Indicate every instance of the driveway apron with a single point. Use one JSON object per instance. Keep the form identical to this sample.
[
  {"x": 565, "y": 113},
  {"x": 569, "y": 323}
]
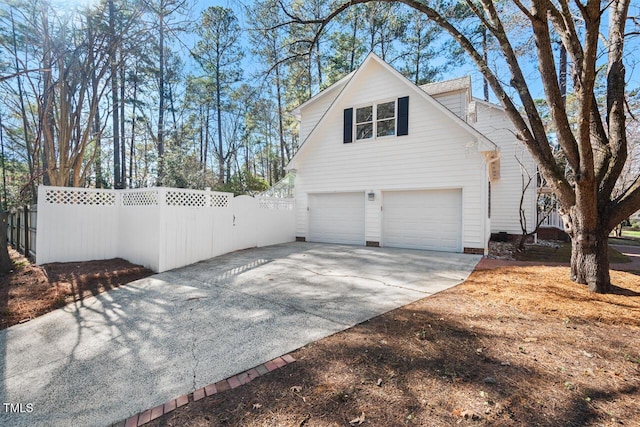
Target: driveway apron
[{"x": 105, "y": 358}]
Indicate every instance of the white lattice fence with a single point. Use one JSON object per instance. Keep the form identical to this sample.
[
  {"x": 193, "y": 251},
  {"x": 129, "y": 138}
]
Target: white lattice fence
[
  {"x": 140, "y": 198},
  {"x": 72, "y": 196},
  {"x": 76, "y": 224},
  {"x": 161, "y": 228}
]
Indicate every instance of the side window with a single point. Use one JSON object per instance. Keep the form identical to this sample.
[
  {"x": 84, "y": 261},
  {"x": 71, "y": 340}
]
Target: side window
[{"x": 364, "y": 122}]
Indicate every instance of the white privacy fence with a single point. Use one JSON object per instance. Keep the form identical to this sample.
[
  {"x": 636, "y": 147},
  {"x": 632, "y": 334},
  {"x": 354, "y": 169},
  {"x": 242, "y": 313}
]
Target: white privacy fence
[{"x": 160, "y": 228}]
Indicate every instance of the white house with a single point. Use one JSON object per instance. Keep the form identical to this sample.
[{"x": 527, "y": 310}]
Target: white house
[{"x": 384, "y": 162}]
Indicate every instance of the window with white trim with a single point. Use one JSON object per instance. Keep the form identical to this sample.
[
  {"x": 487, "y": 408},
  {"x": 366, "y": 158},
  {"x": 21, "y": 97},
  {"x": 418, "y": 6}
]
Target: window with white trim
[
  {"x": 384, "y": 119},
  {"x": 376, "y": 119},
  {"x": 364, "y": 122}
]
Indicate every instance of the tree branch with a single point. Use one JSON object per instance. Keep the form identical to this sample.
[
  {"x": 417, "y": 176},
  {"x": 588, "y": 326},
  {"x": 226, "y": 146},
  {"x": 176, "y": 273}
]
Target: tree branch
[{"x": 625, "y": 205}]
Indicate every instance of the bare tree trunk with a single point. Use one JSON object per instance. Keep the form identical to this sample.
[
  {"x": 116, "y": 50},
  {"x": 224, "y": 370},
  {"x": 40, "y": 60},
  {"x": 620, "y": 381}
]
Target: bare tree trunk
[
  {"x": 418, "y": 50},
  {"x": 354, "y": 41},
  {"x": 123, "y": 145},
  {"x": 201, "y": 135},
  {"x": 113, "y": 61},
  {"x": 25, "y": 123},
  {"x": 97, "y": 137},
  {"x": 590, "y": 260},
  {"x": 485, "y": 56},
  {"x": 160, "y": 142},
  {"x": 221, "y": 174},
  {"x": 319, "y": 63},
  {"x": 283, "y": 145},
  {"x": 206, "y": 137},
  {"x": 133, "y": 128},
  {"x": 46, "y": 116},
  {"x": 174, "y": 122}
]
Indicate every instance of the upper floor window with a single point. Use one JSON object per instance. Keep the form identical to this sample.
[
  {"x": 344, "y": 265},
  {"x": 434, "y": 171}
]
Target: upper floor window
[
  {"x": 386, "y": 119},
  {"x": 364, "y": 122},
  {"x": 377, "y": 120}
]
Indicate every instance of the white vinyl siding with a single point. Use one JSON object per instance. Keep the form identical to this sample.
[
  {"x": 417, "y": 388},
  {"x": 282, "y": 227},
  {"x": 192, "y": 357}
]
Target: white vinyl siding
[
  {"x": 313, "y": 112},
  {"x": 456, "y": 102},
  {"x": 337, "y": 218},
  {"x": 437, "y": 154},
  {"x": 506, "y": 191},
  {"x": 429, "y": 219}
]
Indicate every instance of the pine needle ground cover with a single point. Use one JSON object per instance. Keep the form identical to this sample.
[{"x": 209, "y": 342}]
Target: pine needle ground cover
[{"x": 512, "y": 346}]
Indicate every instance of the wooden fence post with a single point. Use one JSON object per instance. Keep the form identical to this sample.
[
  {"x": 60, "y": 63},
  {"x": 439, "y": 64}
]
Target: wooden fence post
[
  {"x": 26, "y": 231},
  {"x": 17, "y": 215}
]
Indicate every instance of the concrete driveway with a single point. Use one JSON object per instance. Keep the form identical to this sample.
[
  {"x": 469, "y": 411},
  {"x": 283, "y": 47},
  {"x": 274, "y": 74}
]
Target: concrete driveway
[{"x": 106, "y": 358}]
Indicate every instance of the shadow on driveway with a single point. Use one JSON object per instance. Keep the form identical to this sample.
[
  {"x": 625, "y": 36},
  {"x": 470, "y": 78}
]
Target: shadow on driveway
[{"x": 105, "y": 358}]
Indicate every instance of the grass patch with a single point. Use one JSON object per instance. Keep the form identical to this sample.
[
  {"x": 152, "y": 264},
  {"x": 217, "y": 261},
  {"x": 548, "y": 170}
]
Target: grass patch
[
  {"x": 562, "y": 253},
  {"x": 631, "y": 233},
  {"x": 624, "y": 241}
]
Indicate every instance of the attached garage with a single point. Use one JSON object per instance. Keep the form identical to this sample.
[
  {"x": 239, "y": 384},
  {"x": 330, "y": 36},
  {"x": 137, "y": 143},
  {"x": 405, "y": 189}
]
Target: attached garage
[
  {"x": 337, "y": 218},
  {"x": 429, "y": 219}
]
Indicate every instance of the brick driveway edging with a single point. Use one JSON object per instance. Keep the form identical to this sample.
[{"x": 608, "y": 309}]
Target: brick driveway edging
[{"x": 232, "y": 382}]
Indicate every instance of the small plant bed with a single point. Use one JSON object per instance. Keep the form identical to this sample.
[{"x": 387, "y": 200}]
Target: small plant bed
[
  {"x": 32, "y": 290},
  {"x": 513, "y": 346},
  {"x": 560, "y": 252}
]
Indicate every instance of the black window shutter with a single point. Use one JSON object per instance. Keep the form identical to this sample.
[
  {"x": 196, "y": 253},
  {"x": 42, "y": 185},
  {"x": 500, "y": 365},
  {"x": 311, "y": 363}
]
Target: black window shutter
[
  {"x": 348, "y": 126},
  {"x": 403, "y": 116}
]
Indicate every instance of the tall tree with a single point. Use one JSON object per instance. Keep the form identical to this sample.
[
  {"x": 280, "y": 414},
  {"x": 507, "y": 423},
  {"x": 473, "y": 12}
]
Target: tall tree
[
  {"x": 419, "y": 52},
  {"x": 219, "y": 53},
  {"x": 68, "y": 101},
  {"x": 596, "y": 149},
  {"x": 346, "y": 46},
  {"x": 386, "y": 22},
  {"x": 162, "y": 11},
  {"x": 115, "y": 114},
  {"x": 280, "y": 71}
]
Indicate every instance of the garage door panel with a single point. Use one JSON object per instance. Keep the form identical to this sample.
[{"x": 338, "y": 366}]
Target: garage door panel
[
  {"x": 336, "y": 218},
  {"x": 430, "y": 219}
]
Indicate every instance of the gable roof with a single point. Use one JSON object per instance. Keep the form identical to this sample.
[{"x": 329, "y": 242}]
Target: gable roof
[
  {"x": 487, "y": 104},
  {"x": 484, "y": 143},
  {"x": 453, "y": 85},
  {"x": 340, "y": 83}
]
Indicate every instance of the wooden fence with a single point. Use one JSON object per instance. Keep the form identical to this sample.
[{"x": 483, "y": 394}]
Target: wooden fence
[{"x": 22, "y": 226}]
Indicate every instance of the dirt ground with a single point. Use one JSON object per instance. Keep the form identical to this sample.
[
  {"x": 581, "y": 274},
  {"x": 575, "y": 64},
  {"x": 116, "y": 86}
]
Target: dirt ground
[
  {"x": 31, "y": 290},
  {"x": 512, "y": 346}
]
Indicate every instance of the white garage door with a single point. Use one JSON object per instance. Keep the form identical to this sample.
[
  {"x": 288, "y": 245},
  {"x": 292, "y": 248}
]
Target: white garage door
[
  {"x": 337, "y": 218},
  {"x": 423, "y": 219}
]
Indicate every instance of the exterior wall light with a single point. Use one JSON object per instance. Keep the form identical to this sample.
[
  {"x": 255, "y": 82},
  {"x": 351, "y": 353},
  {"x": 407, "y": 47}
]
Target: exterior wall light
[{"x": 372, "y": 196}]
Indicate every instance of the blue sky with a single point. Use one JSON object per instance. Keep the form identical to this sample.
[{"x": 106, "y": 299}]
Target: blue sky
[{"x": 530, "y": 67}]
